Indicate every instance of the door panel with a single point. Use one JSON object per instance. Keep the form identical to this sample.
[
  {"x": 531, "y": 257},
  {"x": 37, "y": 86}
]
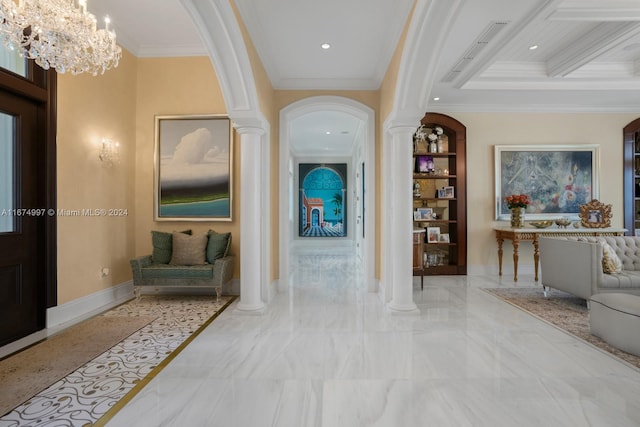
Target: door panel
[{"x": 22, "y": 229}]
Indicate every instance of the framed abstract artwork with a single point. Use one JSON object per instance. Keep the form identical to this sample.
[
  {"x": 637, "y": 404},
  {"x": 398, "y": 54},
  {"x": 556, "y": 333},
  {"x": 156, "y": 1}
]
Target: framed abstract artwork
[
  {"x": 557, "y": 178},
  {"x": 193, "y": 168},
  {"x": 322, "y": 206}
]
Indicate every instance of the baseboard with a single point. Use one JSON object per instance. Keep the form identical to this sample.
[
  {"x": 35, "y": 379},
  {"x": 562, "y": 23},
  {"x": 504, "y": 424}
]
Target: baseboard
[
  {"x": 68, "y": 314},
  {"x": 88, "y": 306},
  {"x": 492, "y": 270},
  {"x": 272, "y": 290}
]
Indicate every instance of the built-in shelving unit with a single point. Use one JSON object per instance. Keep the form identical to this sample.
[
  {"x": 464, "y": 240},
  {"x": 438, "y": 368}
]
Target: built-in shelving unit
[
  {"x": 439, "y": 202},
  {"x": 632, "y": 177}
]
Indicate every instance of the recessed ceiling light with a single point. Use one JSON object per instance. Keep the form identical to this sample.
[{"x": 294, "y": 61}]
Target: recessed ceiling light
[
  {"x": 325, "y": 46},
  {"x": 533, "y": 47},
  {"x": 328, "y": 132},
  {"x": 436, "y": 99}
]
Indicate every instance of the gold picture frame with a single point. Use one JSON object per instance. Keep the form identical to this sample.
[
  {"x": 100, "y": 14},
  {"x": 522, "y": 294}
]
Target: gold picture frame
[{"x": 595, "y": 214}]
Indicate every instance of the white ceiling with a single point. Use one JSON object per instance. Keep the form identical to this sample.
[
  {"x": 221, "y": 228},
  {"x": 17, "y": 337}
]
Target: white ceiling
[{"x": 588, "y": 56}]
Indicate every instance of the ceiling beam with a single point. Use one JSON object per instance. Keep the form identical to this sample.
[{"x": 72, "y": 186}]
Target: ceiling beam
[
  {"x": 597, "y": 10},
  {"x": 603, "y": 37}
]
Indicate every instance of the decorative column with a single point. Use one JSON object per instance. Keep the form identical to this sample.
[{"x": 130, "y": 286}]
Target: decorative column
[
  {"x": 401, "y": 199},
  {"x": 250, "y": 224}
]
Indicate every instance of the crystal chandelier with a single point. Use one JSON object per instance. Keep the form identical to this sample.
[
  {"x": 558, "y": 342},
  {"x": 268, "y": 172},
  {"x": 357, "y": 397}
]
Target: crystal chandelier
[{"x": 59, "y": 34}]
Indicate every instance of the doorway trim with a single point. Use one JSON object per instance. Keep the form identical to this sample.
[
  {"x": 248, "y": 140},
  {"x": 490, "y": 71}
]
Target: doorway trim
[{"x": 287, "y": 115}]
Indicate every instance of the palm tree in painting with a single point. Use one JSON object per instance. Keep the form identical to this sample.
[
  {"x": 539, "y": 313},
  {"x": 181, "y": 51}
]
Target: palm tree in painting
[{"x": 337, "y": 200}]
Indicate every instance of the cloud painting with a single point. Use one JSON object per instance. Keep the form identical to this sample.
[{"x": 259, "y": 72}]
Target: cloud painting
[{"x": 194, "y": 176}]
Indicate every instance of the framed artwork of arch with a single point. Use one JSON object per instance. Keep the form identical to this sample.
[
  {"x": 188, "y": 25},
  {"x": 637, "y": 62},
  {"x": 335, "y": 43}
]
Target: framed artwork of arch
[{"x": 322, "y": 201}]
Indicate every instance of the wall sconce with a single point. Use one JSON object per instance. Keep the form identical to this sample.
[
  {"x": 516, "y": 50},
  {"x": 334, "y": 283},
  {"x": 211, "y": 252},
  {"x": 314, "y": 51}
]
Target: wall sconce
[{"x": 109, "y": 151}]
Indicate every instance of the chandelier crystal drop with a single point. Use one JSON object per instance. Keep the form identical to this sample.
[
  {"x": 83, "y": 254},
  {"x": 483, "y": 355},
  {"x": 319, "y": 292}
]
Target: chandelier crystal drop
[{"x": 59, "y": 34}]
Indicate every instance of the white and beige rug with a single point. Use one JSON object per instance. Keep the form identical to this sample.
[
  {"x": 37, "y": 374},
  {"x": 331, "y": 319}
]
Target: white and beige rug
[
  {"x": 88, "y": 393},
  {"x": 562, "y": 310}
]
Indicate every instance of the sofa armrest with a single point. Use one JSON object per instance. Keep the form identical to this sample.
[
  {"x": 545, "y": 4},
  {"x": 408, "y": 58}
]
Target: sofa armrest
[
  {"x": 136, "y": 267},
  {"x": 571, "y": 266},
  {"x": 223, "y": 270}
]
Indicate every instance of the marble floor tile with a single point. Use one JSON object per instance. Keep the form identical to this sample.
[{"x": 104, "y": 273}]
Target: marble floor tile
[{"x": 325, "y": 354}]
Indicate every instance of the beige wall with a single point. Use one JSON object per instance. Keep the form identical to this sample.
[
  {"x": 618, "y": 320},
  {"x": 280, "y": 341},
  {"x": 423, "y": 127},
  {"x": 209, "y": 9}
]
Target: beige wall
[
  {"x": 484, "y": 130},
  {"x": 175, "y": 86},
  {"x": 89, "y": 109}
]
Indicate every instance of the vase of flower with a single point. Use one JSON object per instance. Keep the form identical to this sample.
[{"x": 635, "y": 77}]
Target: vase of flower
[
  {"x": 517, "y": 217},
  {"x": 517, "y": 203}
]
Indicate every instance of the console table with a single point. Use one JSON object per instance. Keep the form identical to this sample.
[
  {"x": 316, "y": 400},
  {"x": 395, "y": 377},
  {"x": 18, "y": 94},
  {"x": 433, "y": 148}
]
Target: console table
[{"x": 532, "y": 234}]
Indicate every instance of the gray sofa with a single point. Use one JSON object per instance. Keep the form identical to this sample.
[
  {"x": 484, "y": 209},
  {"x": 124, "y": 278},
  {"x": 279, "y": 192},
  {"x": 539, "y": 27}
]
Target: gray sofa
[
  {"x": 574, "y": 264},
  {"x": 180, "y": 259}
]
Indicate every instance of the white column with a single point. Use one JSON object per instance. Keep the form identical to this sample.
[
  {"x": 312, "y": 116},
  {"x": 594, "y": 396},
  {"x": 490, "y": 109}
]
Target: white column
[
  {"x": 250, "y": 222},
  {"x": 401, "y": 172}
]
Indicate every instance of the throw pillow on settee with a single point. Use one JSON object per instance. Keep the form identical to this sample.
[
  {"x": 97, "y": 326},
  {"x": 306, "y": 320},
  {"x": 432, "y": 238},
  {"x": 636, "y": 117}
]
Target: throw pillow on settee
[
  {"x": 185, "y": 248},
  {"x": 163, "y": 246}
]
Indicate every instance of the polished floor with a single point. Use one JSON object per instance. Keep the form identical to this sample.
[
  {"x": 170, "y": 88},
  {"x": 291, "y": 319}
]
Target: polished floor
[{"x": 326, "y": 354}]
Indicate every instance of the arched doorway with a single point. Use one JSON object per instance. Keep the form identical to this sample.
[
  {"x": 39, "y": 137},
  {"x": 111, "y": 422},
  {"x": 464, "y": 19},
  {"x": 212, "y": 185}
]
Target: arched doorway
[{"x": 361, "y": 185}]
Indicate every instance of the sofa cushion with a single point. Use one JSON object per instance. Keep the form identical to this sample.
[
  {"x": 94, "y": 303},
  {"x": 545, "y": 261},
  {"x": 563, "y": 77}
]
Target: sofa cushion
[
  {"x": 218, "y": 245},
  {"x": 163, "y": 246},
  {"x": 166, "y": 271},
  {"x": 188, "y": 250},
  {"x": 611, "y": 263}
]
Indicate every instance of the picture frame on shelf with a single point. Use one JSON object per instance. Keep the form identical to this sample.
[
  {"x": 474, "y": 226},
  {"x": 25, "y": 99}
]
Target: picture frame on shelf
[
  {"x": 449, "y": 192},
  {"x": 557, "y": 178},
  {"x": 595, "y": 215},
  {"x": 433, "y": 234},
  {"x": 424, "y": 164},
  {"x": 440, "y": 194},
  {"x": 426, "y": 213},
  {"x": 416, "y": 215},
  {"x": 444, "y": 238}
]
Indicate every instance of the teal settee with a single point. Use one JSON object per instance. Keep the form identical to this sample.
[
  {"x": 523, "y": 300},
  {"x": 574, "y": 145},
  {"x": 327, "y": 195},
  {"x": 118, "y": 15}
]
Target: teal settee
[{"x": 185, "y": 261}]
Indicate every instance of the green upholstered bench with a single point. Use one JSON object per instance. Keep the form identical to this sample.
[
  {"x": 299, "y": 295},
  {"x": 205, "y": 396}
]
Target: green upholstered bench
[{"x": 182, "y": 260}]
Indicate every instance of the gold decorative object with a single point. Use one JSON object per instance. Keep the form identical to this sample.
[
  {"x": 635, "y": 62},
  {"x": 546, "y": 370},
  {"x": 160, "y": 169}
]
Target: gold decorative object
[
  {"x": 541, "y": 224},
  {"x": 595, "y": 214},
  {"x": 517, "y": 217},
  {"x": 563, "y": 222}
]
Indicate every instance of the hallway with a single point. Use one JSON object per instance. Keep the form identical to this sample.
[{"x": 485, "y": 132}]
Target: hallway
[{"x": 326, "y": 354}]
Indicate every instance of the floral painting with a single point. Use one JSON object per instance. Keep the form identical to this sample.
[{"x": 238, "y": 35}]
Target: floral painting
[
  {"x": 557, "y": 179},
  {"x": 322, "y": 199},
  {"x": 193, "y": 168}
]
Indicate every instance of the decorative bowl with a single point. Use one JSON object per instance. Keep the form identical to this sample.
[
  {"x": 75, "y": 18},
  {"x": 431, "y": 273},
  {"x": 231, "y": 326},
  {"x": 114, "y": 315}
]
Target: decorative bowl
[
  {"x": 562, "y": 222},
  {"x": 541, "y": 224}
]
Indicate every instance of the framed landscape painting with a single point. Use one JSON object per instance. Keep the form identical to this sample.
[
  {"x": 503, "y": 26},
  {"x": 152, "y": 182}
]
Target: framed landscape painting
[
  {"x": 193, "y": 168},
  {"x": 557, "y": 178}
]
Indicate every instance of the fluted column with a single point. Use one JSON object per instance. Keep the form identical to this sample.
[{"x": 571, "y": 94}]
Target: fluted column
[
  {"x": 401, "y": 199},
  {"x": 250, "y": 224}
]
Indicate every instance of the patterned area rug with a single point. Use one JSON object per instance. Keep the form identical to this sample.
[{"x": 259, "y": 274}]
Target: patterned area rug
[
  {"x": 562, "y": 310},
  {"x": 30, "y": 371},
  {"x": 90, "y": 392}
]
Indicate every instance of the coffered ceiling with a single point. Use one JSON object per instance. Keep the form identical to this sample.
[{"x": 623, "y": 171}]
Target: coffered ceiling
[{"x": 587, "y": 56}]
